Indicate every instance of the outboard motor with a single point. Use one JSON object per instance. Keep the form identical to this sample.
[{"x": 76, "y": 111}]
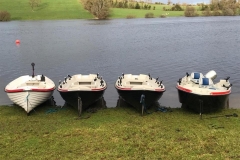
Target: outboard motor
[
  {"x": 33, "y": 64},
  {"x": 42, "y": 78},
  {"x": 211, "y": 74}
]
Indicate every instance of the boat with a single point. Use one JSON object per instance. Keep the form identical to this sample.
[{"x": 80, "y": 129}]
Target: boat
[
  {"x": 199, "y": 93},
  {"x": 140, "y": 91},
  {"x": 81, "y": 91},
  {"x": 29, "y": 91}
]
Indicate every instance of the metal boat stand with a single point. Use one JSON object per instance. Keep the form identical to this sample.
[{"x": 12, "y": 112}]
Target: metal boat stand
[
  {"x": 142, "y": 101},
  {"x": 200, "y": 107},
  {"x": 79, "y": 106}
]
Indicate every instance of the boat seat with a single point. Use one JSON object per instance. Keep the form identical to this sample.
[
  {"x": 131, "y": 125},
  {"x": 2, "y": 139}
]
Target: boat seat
[
  {"x": 32, "y": 82},
  {"x": 195, "y": 76},
  {"x": 205, "y": 82}
]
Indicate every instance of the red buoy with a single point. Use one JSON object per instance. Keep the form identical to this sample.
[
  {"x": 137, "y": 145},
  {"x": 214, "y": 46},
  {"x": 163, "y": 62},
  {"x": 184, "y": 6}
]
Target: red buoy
[{"x": 17, "y": 41}]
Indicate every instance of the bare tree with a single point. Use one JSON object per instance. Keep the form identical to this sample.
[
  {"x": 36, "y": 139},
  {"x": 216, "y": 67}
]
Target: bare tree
[
  {"x": 190, "y": 12},
  {"x": 169, "y": 2},
  {"x": 225, "y": 7},
  {"x": 34, "y": 3},
  {"x": 99, "y": 8}
]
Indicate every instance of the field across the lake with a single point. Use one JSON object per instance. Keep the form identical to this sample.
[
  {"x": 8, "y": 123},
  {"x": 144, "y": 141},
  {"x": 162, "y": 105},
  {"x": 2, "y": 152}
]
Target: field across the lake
[{"x": 73, "y": 9}]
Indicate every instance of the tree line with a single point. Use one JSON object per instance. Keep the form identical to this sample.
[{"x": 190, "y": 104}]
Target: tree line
[
  {"x": 215, "y": 8},
  {"x": 101, "y": 8}
]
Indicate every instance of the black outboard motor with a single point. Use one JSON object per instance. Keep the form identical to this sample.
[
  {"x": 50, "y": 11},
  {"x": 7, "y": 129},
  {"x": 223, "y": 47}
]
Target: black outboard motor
[
  {"x": 42, "y": 78},
  {"x": 33, "y": 64}
]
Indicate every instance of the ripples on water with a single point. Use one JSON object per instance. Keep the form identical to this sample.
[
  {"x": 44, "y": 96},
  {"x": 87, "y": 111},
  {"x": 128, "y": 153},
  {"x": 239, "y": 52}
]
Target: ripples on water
[{"x": 164, "y": 47}]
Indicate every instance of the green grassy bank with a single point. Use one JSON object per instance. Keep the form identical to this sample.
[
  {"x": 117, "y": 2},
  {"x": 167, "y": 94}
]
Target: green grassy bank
[
  {"x": 140, "y": 13},
  {"x": 71, "y": 9},
  {"x": 47, "y": 10},
  {"x": 117, "y": 133}
]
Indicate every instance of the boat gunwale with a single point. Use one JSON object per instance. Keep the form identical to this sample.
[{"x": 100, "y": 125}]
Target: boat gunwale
[{"x": 218, "y": 93}]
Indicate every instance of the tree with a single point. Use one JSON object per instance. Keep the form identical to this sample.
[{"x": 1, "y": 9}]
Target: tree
[
  {"x": 190, "y": 12},
  {"x": 34, "y": 3},
  {"x": 99, "y": 8},
  {"x": 5, "y": 16},
  {"x": 137, "y": 6},
  {"x": 224, "y": 7}
]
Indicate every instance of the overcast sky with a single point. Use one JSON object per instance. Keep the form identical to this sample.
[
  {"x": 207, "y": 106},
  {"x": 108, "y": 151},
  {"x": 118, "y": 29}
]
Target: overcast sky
[{"x": 182, "y": 1}]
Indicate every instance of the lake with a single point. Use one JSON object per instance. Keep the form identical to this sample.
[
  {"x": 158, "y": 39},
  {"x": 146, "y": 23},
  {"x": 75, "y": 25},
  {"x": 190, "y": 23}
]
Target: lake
[{"x": 164, "y": 47}]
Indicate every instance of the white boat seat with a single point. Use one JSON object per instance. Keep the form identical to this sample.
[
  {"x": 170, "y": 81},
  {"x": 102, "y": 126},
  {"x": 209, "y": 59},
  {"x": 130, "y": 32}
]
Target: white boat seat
[{"x": 195, "y": 76}]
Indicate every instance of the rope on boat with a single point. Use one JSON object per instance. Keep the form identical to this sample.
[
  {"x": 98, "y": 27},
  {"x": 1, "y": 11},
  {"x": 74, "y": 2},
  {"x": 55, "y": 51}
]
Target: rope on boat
[
  {"x": 27, "y": 100},
  {"x": 55, "y": 109},
  {"x": 27, "y": 97}
]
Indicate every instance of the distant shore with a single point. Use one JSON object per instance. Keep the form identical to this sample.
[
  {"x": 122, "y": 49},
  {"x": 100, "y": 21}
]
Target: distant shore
[{"x": 72, "y": 9}]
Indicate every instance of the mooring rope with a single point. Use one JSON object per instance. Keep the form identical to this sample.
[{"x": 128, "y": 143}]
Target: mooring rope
[{"x": 27, "y": 97}]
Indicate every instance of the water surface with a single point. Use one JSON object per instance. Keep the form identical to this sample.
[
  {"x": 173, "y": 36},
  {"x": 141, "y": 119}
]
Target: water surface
[{"x": 164, "y": 47}]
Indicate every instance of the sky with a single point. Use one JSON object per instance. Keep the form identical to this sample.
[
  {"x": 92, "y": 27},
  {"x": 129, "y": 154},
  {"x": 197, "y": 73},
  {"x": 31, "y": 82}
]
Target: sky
[{"x": 182, "y": 1}]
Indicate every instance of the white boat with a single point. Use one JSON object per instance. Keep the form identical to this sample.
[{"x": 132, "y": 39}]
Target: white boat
[
  {"x": 199, "y": 93},
  {"x": 29, "y": 91},
  {"x": 81, "y": 91},
  {"x": 141, "y": 91}
]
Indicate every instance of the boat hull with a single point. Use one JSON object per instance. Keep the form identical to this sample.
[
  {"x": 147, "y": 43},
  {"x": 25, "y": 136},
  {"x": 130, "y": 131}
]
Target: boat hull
[
  {"x": 210, "y": 103},
  {"x": 87, "y": 97},
  {"x": 133, "y": 97},
  {"x": 28, "y": 100}
]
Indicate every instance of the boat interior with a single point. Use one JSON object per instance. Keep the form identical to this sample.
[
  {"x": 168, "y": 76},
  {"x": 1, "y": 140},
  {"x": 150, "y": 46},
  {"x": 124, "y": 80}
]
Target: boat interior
[
  {"x": 198, "y": 80},
  {"x": 82, "y": 82},
  {"x": 138, "y": 81},
  {"x": 38, "y": 81}
]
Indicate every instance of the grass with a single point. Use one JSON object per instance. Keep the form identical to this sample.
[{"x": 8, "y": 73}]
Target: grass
[
  {"x": 117, "y": 133},
  {"x": 48, "y": 9},
  {"x": 139, "y": 13}
]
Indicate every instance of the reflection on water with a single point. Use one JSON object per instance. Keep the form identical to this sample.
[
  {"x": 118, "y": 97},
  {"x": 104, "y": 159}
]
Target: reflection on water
[{"x": 167, "y": 48}]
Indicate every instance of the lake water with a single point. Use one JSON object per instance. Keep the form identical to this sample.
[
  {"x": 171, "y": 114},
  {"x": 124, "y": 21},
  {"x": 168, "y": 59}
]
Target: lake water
[{"x": 164, "y": 47}]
